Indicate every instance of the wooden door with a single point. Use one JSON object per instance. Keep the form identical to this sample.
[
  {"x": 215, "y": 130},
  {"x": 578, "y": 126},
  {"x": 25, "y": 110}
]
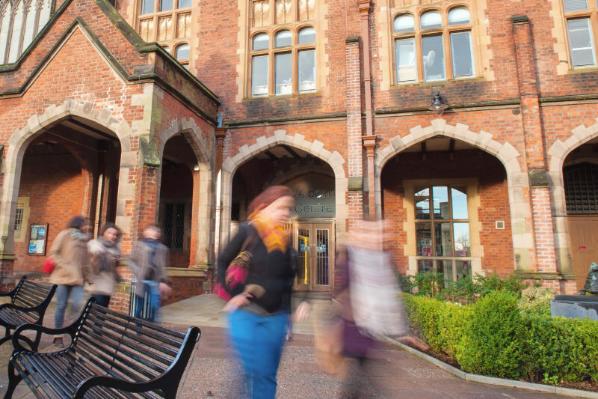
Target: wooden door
[{"x": 583, "y": 236}]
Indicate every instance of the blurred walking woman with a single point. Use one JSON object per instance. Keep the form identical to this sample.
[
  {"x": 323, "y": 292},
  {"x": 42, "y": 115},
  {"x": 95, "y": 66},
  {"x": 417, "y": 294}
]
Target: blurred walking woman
[
  {"x": 69, "y": 252},
  {"x": 259, "y": 309},
  {"x": 105, "y": 255}
]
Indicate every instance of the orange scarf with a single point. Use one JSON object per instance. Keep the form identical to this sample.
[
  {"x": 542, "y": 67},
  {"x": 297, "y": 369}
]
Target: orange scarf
[{"x": 273, "y": 235}]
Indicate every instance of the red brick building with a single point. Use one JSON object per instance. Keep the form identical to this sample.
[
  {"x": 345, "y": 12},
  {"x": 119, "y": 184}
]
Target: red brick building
[{"x": 471, "y": 125}]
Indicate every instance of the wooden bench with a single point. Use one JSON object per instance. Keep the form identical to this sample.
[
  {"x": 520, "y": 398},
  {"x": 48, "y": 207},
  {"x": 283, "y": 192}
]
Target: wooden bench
[
  {"x": 28, "y": 303},
  {"x": 111, "y": 355}
]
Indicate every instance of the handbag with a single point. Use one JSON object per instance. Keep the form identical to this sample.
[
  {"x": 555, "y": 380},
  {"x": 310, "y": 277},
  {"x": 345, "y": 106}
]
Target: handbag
[
  {"x": 236, "y": 272},
  {"x": 48, "y": 266},
  {"x": 328, "y": 341}
]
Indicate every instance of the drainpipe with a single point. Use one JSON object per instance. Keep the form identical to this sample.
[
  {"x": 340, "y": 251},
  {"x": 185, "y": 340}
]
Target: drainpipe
[{"x": 369, "y": 138}]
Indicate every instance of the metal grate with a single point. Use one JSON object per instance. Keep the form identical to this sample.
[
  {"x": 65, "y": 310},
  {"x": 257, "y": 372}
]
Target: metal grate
[
  {"x": 322, "y": 256},
  {"x": 581, "y": 188}
]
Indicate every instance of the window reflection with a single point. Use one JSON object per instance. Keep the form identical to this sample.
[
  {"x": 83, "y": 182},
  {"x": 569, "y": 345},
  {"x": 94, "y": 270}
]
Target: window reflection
[{"x": 443, "y": 236}]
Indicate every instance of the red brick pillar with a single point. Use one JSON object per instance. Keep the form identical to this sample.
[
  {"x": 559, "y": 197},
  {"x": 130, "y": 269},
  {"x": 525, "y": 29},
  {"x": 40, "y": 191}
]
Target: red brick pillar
[
  {"x": 535, "y": 152},
  {"x": 354, "y": 129},
  {"x": 145, "y": 211}
]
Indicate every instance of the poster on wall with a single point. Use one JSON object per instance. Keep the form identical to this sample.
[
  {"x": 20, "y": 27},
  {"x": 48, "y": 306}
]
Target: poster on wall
[{"x": 38, "y": 236}]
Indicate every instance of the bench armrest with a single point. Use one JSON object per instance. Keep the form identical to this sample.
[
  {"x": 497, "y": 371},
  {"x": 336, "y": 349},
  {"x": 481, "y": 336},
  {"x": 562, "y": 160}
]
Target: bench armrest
[
  {"x": 45, "y": 330},
  {"x": 121, "y": 385}
]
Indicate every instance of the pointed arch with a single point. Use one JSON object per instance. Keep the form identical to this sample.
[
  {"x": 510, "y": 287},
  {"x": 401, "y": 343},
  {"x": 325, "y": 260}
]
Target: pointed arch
[
  {"x": 36, "y": 125},
  {"x": 280, "y": 137},
  {"x": 557, "y": 154},
  {"x": 517, "y": 179}
]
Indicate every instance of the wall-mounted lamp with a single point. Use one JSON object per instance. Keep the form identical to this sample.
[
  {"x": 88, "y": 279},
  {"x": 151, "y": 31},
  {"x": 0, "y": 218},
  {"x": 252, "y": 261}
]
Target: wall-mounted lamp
[
  {"x": 438, "y": 104},
  {"x": 196, "y": 167}
]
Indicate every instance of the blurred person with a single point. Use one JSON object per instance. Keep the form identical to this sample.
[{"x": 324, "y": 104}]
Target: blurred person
[
  {"x": 69, "y": 252},
  {"x": 259, "y": 308},
  {"x": 367, "y": 293},
  {"x": 148, "y": 262},
  {"x": 105, "y": 256}
]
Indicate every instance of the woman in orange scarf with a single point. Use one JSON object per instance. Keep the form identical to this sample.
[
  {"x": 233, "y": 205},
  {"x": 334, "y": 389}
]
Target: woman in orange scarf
[{"x": 259, "y": 309}]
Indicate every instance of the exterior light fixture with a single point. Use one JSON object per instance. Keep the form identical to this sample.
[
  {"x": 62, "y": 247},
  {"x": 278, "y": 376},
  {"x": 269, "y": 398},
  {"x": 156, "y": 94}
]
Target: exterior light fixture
[{"x": 438, "y": 104}]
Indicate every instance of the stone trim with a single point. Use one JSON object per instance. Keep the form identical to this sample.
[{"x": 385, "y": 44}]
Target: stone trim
[
  {"x": 203, "y": 145},
  {"x": 246, "y": 152},
  {"x": 517, "y": 179}
]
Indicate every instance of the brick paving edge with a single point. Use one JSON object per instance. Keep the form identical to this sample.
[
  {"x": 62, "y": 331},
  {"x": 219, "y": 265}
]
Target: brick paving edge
[{"x": 570, "y": 392}]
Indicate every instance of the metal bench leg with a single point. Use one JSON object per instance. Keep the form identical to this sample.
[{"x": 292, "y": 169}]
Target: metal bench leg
[
  {"x": 6, "y": 337},
  {"x": 13, "y": 380}
]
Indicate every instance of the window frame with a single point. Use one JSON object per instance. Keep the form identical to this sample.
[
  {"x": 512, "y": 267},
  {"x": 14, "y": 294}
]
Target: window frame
[
  {"x": 432, "y": 221},
  {"x": 35, "y": 6},
  {"x": 445, "y": 30},
  {"x": 171, "y": 45},
  {"x": 590, "y": 13},
  {"x": 272, "y": 28}
]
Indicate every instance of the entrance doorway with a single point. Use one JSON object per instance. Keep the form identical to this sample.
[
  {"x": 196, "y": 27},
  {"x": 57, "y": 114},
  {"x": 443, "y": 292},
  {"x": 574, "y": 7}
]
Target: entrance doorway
[{"x": 314, "y": 243}]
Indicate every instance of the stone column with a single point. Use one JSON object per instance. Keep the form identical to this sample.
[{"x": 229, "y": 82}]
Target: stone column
[{"x": 369, "y": 143}]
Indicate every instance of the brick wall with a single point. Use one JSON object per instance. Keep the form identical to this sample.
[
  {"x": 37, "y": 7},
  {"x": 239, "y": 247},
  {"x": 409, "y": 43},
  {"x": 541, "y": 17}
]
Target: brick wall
[{"x": 55, "y": 184}]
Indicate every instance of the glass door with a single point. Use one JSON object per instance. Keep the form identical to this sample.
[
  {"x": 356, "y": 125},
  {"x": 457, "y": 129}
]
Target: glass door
[{"x": 314, "y": 243}]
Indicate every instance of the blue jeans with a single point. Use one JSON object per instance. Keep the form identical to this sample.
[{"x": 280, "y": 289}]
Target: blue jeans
[
  {"x": 63, "y": 294},
  {"x": 148, "y": 305},
  {"x": 258, "y": 342}
]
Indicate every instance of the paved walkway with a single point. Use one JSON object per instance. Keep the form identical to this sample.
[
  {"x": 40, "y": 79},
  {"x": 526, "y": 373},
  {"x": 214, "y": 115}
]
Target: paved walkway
[{"x": 211, "y": 374}]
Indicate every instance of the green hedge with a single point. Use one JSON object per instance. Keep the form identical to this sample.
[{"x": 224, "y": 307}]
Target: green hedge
[{"x": 495, "y": 337}]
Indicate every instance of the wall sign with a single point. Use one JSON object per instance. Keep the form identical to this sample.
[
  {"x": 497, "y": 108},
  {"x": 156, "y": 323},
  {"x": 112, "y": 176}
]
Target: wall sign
[
  {"x": 38, "y": 237},
  {"x": 315, "y": 204}
]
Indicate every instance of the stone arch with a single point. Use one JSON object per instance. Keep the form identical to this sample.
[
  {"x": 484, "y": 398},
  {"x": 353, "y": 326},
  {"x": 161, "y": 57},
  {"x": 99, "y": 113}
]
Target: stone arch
[
  {"x": 517, "y": 179},
  {"x": 262, "y": 143},
  {"x": 557, "y": 153},
  {"x": 202, "y": 147},
  {"x": 36, "y": 124}
]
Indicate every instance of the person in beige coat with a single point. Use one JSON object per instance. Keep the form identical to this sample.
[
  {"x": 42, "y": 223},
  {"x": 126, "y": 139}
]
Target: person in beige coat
[
  {"x": 69, "y": 252},
  {"x": 105, "y": 256}
]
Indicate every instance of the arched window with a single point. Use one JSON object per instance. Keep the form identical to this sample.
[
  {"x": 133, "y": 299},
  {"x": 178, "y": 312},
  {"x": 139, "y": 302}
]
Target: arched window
[
  {"x": 167, "y": 22},
  {"x": 20, "y": 22},
  {"x": 582, "y": 31},
  {"x": 433, "y": 47},
  {"x": 182, "y": 54},
  {"x": 282, "y": 48}
]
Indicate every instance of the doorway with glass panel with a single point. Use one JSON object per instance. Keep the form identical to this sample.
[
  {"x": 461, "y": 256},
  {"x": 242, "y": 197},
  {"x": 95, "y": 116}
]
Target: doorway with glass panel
[
  {"x": 442, "y": 231},
  {"x": 314, "y": 243}
]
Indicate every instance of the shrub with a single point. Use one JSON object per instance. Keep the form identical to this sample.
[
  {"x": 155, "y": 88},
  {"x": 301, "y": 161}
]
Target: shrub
[
  {"x": 492, "y": 343},
  {"x": 494, "y": 337},
  {"x": 536, "y": 300},
  {"x": 464, "y": 291},
  {"x": 559, "y": 349},
  {"x": 440, "y": 324}
]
